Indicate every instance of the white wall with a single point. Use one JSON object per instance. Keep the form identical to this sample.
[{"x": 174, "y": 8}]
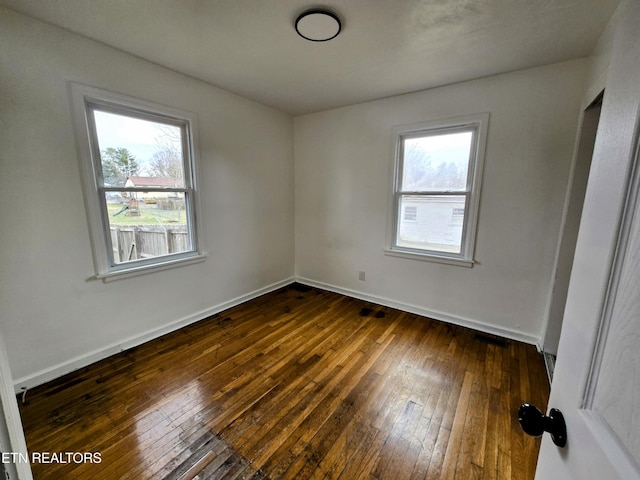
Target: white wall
[
  {"x": 54, "y": 316},
  {"x": 343, "y": 180},
  {"x": 596, "y": 79}
]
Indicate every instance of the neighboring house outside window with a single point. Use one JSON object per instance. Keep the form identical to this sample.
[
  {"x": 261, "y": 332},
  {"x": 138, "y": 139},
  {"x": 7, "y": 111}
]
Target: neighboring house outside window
[
  {"x": 436, "y": 189},
  {"x": 139, "y": 166}
]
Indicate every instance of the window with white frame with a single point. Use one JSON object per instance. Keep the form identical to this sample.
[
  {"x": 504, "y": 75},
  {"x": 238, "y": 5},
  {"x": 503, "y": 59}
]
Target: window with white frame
[
  {"x": 139, "y": 165},
  {"x": 410, "y": 213},
  {"x": 437, "y": 176}
]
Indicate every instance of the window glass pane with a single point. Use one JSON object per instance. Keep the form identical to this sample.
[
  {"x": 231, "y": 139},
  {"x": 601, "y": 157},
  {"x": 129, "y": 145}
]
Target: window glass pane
[
  {"x": 437, "y": 225},
  {"x": 147, "y": 225},
  {"x": 436, "y": 162},
  {"x": 139, "y": 153}
]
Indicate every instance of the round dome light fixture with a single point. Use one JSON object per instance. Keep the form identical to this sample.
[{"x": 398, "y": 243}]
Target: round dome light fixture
[{"x": 318, "y": 25}]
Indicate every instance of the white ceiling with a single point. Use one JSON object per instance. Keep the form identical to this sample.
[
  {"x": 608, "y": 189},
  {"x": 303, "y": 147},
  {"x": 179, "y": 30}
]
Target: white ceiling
[{"x": 387, "y": 47}]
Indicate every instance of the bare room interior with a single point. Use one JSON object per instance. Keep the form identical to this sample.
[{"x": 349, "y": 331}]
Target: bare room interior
[{"x": 286, "y": 240}]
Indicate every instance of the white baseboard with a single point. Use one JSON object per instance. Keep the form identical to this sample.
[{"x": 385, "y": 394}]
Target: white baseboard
[
  {"x": 425, "y": 312},
  {"x": 55, "y": 371}
]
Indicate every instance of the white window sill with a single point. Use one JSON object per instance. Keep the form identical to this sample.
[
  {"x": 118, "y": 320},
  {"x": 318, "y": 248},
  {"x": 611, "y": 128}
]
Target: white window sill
[
  {"x": 154, "y": 267},
  {"x": 429, "y": 257}
]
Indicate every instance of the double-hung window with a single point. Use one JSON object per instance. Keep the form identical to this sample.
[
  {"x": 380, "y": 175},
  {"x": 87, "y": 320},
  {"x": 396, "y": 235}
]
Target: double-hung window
[
  {"x": 139, "y": 164},
  {"x": 436, "y": 189}
]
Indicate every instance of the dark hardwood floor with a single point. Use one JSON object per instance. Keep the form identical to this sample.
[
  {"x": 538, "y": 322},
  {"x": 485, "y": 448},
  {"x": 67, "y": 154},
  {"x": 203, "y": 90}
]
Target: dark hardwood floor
[{"x": 300, "y": 383}]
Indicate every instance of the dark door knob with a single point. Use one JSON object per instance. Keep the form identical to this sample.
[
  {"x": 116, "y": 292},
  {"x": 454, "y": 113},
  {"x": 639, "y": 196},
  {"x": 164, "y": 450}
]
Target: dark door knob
[{"x": 535, "y": 423}]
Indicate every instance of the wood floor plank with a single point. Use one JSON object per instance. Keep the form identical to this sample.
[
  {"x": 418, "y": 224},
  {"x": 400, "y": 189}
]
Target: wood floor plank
[{"x": 297, "y": 384}]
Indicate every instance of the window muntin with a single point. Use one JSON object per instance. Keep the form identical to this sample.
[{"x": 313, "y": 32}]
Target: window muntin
[
  {"x": 437, "y": 175},
  {"x": 138, "y": 161}
]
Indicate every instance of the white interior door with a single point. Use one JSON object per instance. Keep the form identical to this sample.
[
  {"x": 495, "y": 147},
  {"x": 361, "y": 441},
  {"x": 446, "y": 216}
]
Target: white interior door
[
  {"x": 597, "y": 378},
  {"x": 11, "y": 434}
]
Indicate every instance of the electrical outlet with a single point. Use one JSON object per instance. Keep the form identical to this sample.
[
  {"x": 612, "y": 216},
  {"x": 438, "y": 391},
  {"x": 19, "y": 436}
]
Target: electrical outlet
[{"x": 361, "y": 276}]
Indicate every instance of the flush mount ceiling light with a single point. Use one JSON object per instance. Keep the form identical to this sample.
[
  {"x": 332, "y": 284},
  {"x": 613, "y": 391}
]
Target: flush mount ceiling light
[{"x": 318, "y": 25}]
